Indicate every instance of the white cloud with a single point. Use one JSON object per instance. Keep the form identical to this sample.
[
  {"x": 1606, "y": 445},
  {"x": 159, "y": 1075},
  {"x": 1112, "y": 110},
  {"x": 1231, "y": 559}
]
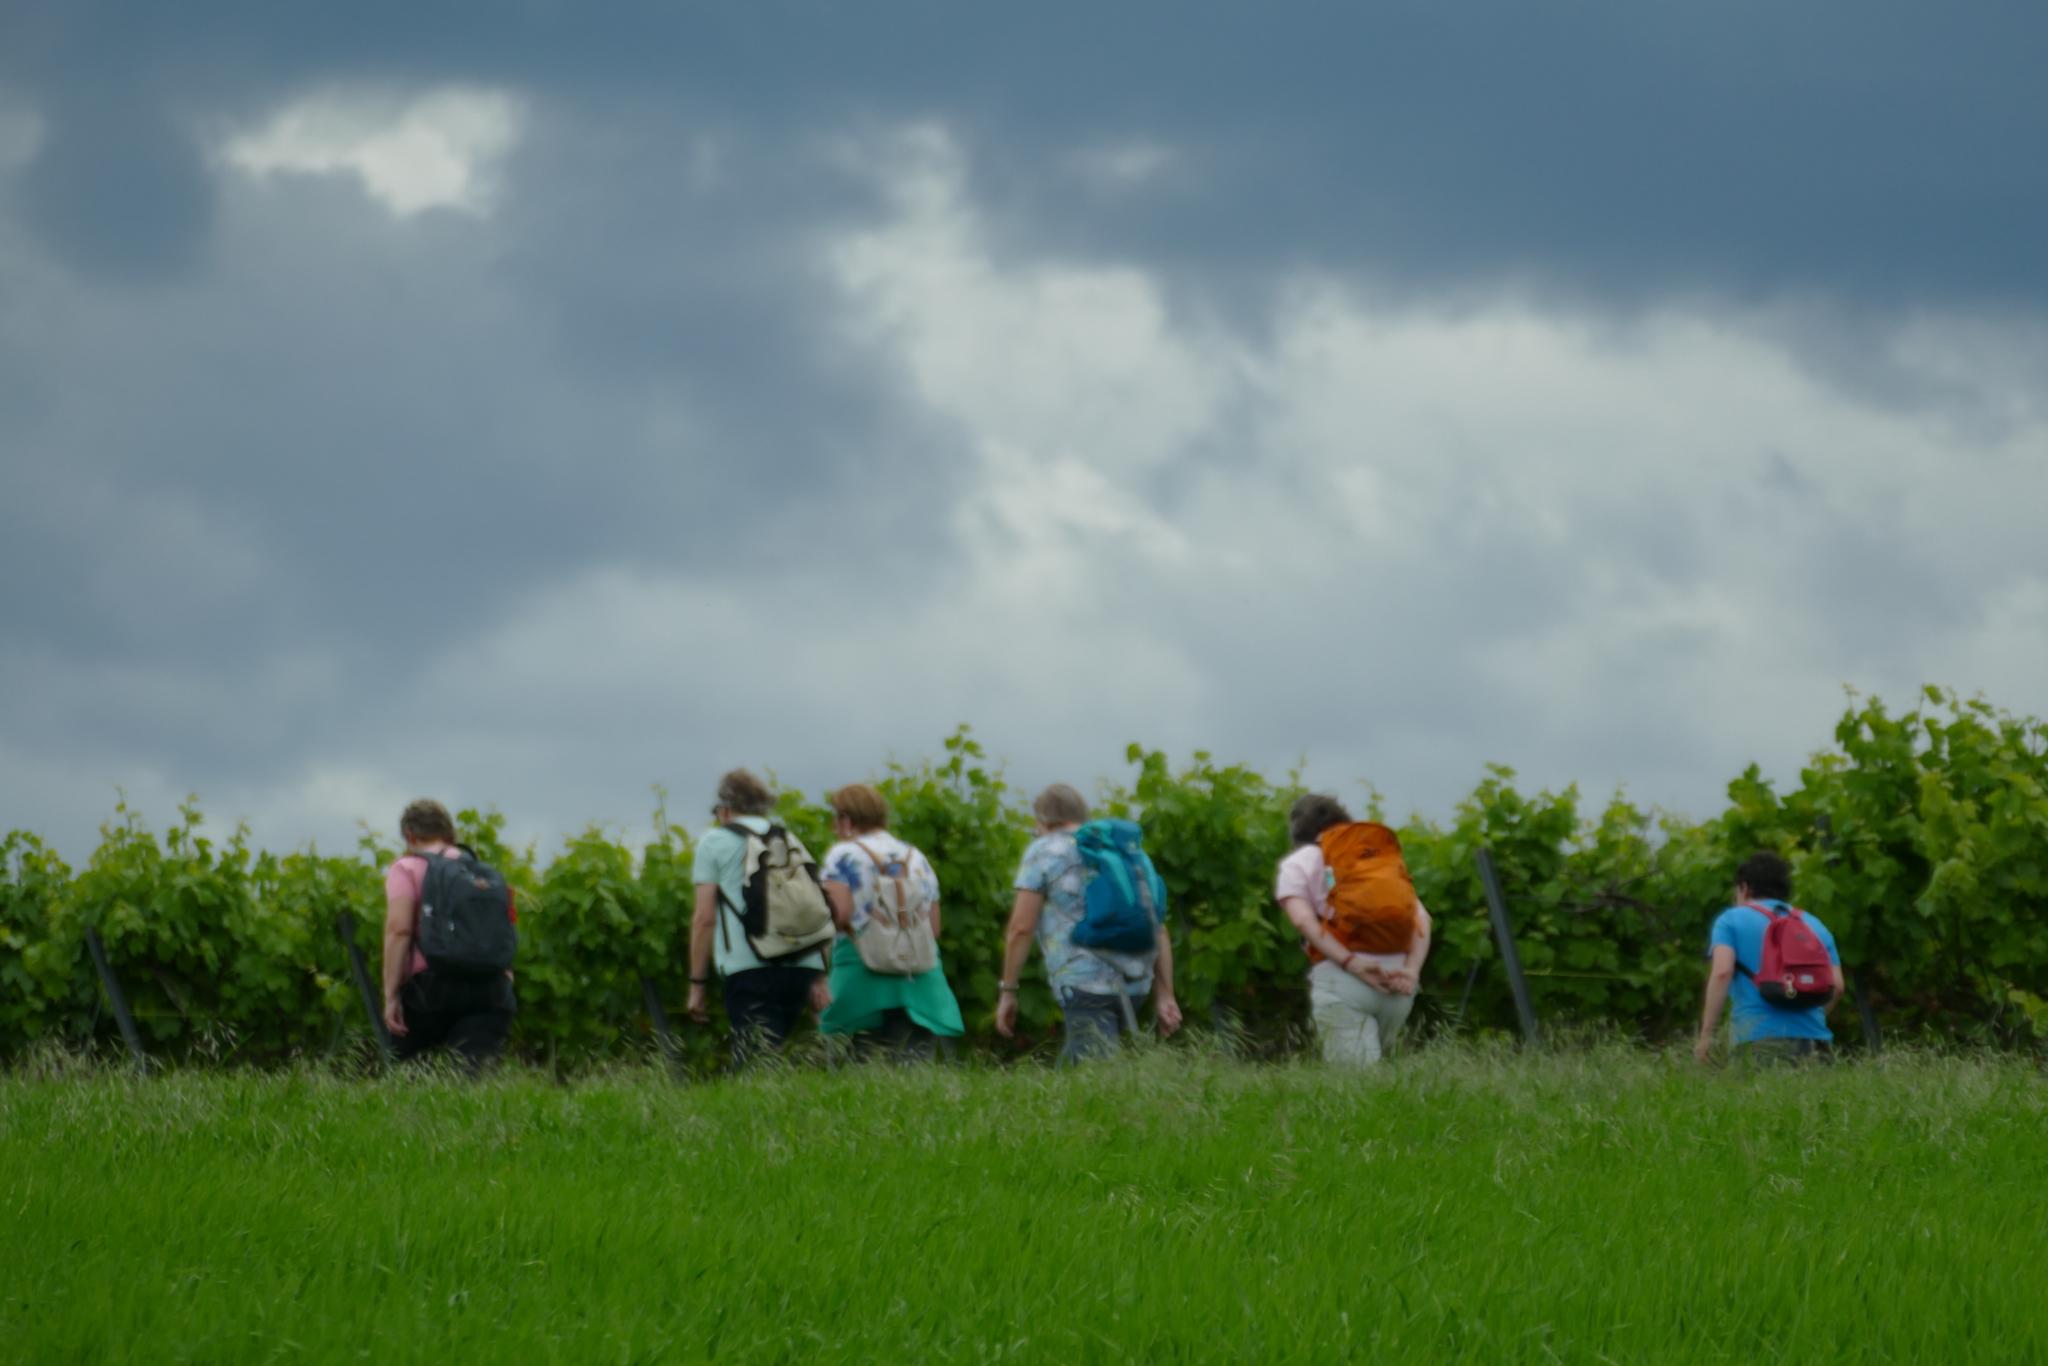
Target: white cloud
[
  {"x": 1059, "y": 361},
  {"x": 1407, "y": 541},
  {"x": 442, "y": 149}
]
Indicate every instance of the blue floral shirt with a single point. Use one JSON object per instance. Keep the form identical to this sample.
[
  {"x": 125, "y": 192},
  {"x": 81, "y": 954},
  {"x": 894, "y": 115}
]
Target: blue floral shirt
[
  {"x": 847, "y": 864},
  {"x": 1054, "y": 868}
]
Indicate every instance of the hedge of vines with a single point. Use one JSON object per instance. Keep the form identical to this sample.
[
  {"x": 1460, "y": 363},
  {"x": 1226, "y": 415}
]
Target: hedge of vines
[{"x": 1921, "y": 838}]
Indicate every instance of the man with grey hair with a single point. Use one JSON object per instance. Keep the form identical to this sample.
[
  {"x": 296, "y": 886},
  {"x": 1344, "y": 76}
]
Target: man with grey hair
[
  {"x": 765, "y": 996},
  {"x": 1097, "y": 988}
]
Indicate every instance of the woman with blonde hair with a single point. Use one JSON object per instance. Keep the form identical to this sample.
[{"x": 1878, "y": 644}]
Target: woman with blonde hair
[{"x": 889, "y": 990}]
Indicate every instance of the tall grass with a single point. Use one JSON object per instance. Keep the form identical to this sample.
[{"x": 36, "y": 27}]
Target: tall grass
[{"x": 1455, "y": 1205}]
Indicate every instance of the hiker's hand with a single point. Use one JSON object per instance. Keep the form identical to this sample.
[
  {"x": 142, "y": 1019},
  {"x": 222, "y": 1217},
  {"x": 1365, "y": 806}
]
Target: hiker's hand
[
  {"x": 1368, "y": 973},
  {"x": 1402, "y": 982},
  {"x": 700, "y": 1008},
  {"x": 394, "y": 1017},
  {"x": 1006, "y": 1014},
  {"x": 1703, "y": 1048},
  {"x": 1168, "y": 1011},
  {"x": 821, "y": 993}
]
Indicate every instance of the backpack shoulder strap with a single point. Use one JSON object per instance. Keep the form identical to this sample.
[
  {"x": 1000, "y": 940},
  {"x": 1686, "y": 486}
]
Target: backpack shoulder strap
[
  {"x": 744, "y": 833},
  {"x": 901, "y": 879},
  {"x": 1768, "y": 914}
]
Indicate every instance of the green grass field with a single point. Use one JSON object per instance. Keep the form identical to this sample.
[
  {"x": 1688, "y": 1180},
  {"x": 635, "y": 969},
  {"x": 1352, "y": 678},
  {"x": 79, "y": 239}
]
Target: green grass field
[{"x": 1452, "y": 1206}]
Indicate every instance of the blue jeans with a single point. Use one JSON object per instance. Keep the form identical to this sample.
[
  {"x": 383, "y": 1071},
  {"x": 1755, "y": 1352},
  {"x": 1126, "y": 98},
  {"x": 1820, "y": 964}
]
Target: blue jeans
[{"x": 1094, "y": 1021}]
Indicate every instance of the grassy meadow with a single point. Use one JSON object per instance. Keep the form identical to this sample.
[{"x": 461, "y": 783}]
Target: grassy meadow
[{"x": 1455, "y": 1205}]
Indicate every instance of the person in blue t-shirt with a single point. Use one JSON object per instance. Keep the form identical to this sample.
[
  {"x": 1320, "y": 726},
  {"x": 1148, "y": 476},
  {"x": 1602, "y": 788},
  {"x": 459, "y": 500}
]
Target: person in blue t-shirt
[{"x": 1762, "y": 1030}]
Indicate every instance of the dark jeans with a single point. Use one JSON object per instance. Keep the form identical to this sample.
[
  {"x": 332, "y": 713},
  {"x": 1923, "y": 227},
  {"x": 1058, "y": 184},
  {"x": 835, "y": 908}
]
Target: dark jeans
[
  {"x": 469, "y": 1016},
  {"x": 764, "y": 1005},
  {"x": 1784, "y": 1052},
  {"x": 897, "y": 1039},
  {"x": 1094, "y": 1021}
]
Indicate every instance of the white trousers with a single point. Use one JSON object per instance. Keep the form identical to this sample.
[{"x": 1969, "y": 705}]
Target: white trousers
[{"x": 1353, "y": 1021}]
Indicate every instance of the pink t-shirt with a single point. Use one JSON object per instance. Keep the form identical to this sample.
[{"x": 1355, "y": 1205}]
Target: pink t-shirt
[
  {"x": 402, "y": 883},
  {"x": 1303, "y": 873}
]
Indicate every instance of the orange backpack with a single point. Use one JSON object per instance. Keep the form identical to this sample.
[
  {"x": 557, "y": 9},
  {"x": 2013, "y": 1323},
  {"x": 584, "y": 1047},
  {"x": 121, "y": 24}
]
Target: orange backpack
[{"x": 1372, "y": 898}]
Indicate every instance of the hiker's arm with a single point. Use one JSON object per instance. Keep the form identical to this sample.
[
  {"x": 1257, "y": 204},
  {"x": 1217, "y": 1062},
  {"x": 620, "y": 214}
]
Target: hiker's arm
[
  {"x": 935, "y": 920},
  {"x": 1718, "y": 977},
  {"x": 1017, "y": 936},
  {"x": 398, "y": 922},
  {"x": 1841, "y": 987},
  {"x": 1304, "y": 918},
  {"x": 1164, "y": 1004},
  {"x": 1408, "y": 978},
  {"x": 703, "y": 922},
  {"x": 840, "y": 898}
]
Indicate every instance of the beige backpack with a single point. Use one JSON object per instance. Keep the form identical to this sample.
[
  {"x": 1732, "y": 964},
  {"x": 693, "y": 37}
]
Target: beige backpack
[
  {"x": 784, "y": 912},
  {"x": 897, "y": 940}
]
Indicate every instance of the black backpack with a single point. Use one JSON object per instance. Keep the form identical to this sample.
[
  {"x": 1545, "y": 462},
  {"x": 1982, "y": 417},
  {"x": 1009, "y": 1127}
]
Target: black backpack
[{"x": 465, "y": 924}]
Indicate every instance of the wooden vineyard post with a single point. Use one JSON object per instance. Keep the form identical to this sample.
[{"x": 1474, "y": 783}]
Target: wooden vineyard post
[
  {"x": 116, "y": 998},
  {"x": 345, "y": 926},
  {"x": 658, "y": 1016},
  {"x": 1872, "y": 1040},
  {"x": 1504, "y": 936}
]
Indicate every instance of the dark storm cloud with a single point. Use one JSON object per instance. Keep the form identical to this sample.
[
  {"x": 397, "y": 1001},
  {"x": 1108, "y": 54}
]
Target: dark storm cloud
[
  {"x": 250, "y": 508},
  {"x": 118, "y": 189},
  {"x": 1870, "y": 150}
]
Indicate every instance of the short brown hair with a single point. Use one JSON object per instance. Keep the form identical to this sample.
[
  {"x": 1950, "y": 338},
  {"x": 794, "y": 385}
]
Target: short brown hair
[
  {"x": 863, "y": 808},
  {"x": 1312, "y": 815},
  {"x": 744, "y": 795},
  {"x": 1060, "y": 805},
  {"x": 427, "y": 819}
]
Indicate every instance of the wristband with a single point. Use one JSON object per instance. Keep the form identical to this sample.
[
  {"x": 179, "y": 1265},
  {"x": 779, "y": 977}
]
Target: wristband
[
  {"x": 1010, "y": 987},
  {"x": 700, "y": 981}
]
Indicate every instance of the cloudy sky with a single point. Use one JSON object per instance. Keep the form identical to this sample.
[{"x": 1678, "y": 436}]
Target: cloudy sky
[{"x": 533, "y": 408}]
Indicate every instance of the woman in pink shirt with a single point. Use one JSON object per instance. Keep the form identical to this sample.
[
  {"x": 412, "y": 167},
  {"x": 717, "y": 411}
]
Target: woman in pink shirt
[{"x": 424, "y": 1008}]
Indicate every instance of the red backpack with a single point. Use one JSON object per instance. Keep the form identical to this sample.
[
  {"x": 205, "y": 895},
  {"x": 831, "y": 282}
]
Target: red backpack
[{"x": 1796, "y": 972}]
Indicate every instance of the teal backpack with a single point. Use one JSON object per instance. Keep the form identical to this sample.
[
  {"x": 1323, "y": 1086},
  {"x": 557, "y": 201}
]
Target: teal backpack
[{"x": 1126, "y": 900}]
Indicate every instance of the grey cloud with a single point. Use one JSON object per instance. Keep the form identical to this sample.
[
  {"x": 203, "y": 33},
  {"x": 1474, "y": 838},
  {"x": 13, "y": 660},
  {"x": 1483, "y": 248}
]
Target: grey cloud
[
  {"x": 1874, "y": 152},
  {"x": 252, "y": 508},
  {"x": 118, "y": 189},
  {"x": 276, "y": 461}
]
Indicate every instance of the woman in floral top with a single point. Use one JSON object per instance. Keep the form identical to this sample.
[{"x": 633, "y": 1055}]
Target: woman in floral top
[{"x": 900, "y": 1015}]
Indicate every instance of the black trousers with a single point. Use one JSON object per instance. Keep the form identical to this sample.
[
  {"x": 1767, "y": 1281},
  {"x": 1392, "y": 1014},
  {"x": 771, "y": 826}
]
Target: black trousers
[
  {"x": 764, "y": 1005},
  {"x": 469, "y": 1016}
]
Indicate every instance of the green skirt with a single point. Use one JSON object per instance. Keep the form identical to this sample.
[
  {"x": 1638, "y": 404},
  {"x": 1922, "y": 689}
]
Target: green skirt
[{"x": 859, "y": 997}]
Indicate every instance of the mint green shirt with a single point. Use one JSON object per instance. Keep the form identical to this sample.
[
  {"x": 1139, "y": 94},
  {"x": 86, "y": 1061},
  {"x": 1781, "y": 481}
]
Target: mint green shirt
[{"x": 720, "y": 861}]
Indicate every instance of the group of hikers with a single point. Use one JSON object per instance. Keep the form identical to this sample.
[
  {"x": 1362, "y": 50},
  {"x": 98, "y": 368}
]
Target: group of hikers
[{"x": 854, "y": 936}]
